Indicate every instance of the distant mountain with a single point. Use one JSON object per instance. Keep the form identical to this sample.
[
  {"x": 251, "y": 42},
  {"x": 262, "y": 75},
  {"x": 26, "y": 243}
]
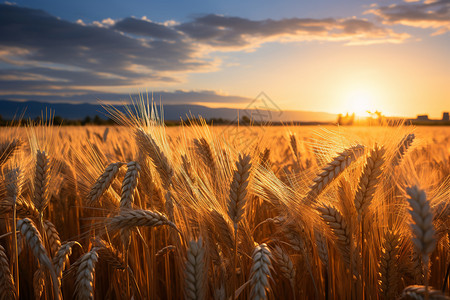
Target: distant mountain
[{"x": 32, "y": 109}]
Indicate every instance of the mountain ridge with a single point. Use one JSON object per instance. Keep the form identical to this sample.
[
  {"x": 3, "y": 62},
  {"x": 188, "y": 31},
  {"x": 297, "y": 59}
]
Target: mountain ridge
[{"x": 172, "y": 112}]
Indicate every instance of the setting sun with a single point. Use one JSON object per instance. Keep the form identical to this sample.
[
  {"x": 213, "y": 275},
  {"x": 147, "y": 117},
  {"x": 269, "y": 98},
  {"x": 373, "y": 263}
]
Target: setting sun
[{"x": 360, "y": 101}]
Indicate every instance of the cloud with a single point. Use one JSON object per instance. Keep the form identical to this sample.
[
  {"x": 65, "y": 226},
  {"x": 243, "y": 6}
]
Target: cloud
[
  {"x": 146, "y": 28},
  {"x": 46, "y": 56},
  {"x": 233, "y": 32},
  {"x": 428, "y": 14},
  {"x": 167, "y": 97}
]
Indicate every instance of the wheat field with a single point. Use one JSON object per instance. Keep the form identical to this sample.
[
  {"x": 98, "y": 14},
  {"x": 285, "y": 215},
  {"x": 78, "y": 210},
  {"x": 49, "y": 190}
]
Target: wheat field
[{"x": 141, "y": 211}]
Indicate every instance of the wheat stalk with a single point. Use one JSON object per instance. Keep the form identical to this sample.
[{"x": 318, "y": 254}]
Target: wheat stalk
[
  {"x": 194, "y": 272},
  {"x": 369, "y": 180},
  {"x": 260, "y": 272},
  {"x": 332, "y": 170},
  {"x": 7, "y": 289},
  {"x": 103, "y": 182}
]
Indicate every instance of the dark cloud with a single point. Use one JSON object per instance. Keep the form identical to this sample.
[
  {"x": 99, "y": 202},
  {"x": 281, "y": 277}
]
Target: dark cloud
[
  {"x": 427, "y": 14},
  {"x": 146, "y": 28},
  {"x": 175, "y": 97},
  {"x": 46, "y": 56},
  {"x": 223, "y": 31}
]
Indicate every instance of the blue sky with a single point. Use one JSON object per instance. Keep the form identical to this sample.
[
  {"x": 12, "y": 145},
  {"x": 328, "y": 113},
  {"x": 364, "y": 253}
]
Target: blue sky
[{"x": 307, "y": 55}]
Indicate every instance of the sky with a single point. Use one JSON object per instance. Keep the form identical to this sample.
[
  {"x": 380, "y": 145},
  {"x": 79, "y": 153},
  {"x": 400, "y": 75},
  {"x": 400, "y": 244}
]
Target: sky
[{"x": 329, "y": 56}]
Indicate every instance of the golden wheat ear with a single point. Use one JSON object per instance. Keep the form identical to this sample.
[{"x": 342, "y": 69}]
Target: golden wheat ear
[
  {"x": 103, "y": 183},
  {"x": 260, "y": 272},
  {"x": 84, "y": 284},
  {"x": 195, "y": 272},
  {"x": 388, "y": 268},
  {"x": 238, "y": 189},
  {"x": 8, "y": 149},
  {"x": 7, "y": 289},
  {"x": 332, "y": 170}
]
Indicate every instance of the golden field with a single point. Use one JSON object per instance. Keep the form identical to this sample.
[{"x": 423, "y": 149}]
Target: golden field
[{"x": 143, "y": 211}]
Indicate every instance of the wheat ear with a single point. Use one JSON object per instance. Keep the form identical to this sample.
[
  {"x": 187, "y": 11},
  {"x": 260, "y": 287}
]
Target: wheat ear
[
  {"x": 84, "y": 284},
  {"x": 418, "y": 292},
  {"x": 127, "y": 219},
  {"x": 238, "y": 189},
  {"x": 387, "y": 270},
  {"x": 8, "y": 149},
  {"x": 369, "y": 180},
  {"x": 103, "y": 182},
  {"x": 41, "y": 180},
  {"x": 61, "y": 256},
  {"x": 34, "y": 240},
  {"x": 7, "y": 289},
  {"x": 222, "y": 226},
  {"x": 39, "y": 282},
  {"x": 194, "y": 272},
  {"x": 159, "y": 159},
  {"x": 129, "y": 184},
  {"x": 285, "y": 264},
  {"x": 402, "y": 148},
  {"x": 52, "y": 236},
  {"x": 424, "y": 233},
  {"x": 337, "y": 224},
  {"x": 332, "y": 170},
  {"x": 108, "y": 253},
  {"x": 260, "y": 272},
  {"x": 204, "y": 150}
]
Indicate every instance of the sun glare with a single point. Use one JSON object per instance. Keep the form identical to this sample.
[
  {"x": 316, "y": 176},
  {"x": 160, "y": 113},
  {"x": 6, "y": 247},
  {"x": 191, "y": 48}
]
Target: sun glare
[{"x": 359, "y": 102}]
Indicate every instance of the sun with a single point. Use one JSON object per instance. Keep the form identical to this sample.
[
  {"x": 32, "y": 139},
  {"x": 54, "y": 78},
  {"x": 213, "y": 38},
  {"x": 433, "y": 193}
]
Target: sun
[{"x": 360, "y": 101}]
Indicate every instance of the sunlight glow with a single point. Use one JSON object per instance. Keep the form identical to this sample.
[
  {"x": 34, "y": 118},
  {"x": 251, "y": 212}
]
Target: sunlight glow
[{"x": 359, "y": 101}]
